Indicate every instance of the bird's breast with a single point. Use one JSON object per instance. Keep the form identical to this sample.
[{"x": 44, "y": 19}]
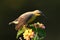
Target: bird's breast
[{"x": 31, "y": 19}]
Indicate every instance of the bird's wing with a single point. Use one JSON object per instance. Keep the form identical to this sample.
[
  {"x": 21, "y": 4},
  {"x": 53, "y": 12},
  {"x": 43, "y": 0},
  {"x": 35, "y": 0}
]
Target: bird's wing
[{"x": 21, "y": 21}]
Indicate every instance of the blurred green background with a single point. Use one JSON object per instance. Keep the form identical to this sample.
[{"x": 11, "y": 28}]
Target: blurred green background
[{"x": 11, "y": 9}]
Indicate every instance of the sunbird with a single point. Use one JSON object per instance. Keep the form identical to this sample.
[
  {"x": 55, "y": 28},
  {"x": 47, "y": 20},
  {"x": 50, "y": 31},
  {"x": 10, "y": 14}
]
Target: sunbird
[{"x": 26, "y": 18}]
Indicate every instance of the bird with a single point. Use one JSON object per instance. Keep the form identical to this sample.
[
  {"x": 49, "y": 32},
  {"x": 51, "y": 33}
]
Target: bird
[{"x": 25, "y": 18}]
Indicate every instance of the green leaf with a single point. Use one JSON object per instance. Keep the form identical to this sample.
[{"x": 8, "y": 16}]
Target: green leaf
[
  {"x": 32, "y": 27},
  {"x": 41, "y": 32},
  {"x": 35, "y": 37},
  {"x": 19, "y": 32}
]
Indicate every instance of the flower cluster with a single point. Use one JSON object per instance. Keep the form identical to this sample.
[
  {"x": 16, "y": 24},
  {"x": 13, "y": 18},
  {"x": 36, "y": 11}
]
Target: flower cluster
[
  {"x": 28, "y": 34},
  {"x": 32, "y": 32},
  {"x": 40, "y": 25}
]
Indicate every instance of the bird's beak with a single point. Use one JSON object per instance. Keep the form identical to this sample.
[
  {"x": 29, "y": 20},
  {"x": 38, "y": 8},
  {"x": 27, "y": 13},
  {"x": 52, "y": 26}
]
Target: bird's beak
[{"x": 43, "y": 14}]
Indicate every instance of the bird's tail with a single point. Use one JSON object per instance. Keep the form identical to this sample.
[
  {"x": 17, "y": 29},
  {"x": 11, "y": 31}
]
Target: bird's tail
[{"x": 11, "y": 23}]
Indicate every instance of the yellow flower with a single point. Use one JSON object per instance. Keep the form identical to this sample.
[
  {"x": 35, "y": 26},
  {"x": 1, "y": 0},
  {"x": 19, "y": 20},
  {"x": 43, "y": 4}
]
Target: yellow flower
[{"x": 28, "y": 34}]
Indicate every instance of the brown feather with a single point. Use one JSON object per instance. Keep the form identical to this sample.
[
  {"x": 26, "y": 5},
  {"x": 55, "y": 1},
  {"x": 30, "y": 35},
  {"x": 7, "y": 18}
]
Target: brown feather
[
  {"x": 23, "y": 19},
  {"x": 21, "y": 23}
]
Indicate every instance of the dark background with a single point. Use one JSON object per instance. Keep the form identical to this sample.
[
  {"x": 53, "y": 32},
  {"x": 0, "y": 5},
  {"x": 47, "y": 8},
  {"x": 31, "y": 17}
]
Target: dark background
[{"x": 11, "y": 9}]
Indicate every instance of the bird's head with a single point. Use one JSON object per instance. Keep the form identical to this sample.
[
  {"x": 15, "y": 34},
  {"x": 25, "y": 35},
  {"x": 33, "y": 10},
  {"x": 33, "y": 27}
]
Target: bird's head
[{"x": 37, "y": 12}]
